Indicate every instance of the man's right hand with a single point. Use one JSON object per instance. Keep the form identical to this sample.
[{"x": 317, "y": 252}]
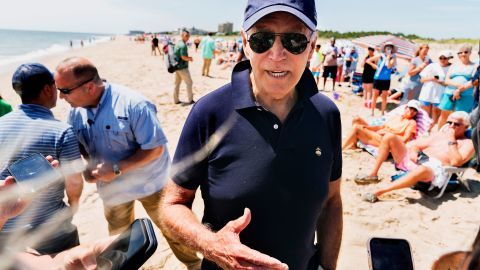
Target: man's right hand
[{"x": 228, "y": 252}]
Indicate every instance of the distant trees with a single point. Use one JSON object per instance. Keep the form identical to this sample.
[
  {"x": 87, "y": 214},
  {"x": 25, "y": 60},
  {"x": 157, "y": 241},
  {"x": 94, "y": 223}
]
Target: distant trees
[{"x": 351, "y": 35}]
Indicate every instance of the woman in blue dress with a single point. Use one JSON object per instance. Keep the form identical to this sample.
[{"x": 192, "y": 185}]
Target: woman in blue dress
[{"x": 458, "y": 95}]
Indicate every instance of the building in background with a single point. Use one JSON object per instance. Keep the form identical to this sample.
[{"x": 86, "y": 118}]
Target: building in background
[
  {"x": 226, "y": 27},
  {"x": 194, "y": 31}
]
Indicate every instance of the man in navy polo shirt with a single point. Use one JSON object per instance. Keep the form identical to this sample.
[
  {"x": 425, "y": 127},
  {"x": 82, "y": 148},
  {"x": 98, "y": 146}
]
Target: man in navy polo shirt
[{"x": 265, "y": 152}]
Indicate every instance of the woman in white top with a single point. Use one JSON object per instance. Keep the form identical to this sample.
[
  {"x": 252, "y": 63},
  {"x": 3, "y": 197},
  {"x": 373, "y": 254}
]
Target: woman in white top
[{"x": 433, "y": 79}]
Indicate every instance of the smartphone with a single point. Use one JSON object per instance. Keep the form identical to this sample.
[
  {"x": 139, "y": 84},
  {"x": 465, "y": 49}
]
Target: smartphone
[
  {"x": 389, "y": 254},
  {"x": 33, "y": 173},
  {"x": 436, "y": 77},
  {"x": 131, "y": 249}
]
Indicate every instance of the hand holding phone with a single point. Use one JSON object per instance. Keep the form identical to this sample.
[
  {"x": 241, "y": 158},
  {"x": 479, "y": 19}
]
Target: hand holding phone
[
  {"x": 131, "y": 249},
  {"x": 389, "y": 254},
  {"x": 33, "y": 173}
]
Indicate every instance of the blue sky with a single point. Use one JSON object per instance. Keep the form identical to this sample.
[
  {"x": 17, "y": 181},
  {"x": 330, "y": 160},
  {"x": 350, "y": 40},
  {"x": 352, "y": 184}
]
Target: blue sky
[{"x": 430, "y": 18}]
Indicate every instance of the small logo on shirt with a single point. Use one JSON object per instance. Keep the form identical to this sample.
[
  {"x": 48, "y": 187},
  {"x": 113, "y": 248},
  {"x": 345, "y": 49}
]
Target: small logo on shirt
[
  {"x": 122, "y": 117},
  {"x": 318, "y": 151}
]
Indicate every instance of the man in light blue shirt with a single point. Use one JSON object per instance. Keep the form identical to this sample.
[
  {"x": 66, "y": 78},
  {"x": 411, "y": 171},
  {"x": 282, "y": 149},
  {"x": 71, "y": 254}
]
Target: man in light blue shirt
[
  {"x": 208, "y": 48},
  {"x": 124, "y": 143}
]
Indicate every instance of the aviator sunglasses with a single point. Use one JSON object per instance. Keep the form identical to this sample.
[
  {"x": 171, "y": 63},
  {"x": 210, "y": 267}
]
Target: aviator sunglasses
[
  {"x": 295, "y": 43},
  {"x": 67, "y": 91}
]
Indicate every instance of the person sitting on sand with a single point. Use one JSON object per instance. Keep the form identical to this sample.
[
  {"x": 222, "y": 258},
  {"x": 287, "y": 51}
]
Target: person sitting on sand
[
  {"x": 424, "y": 158},
  {"x": 402, "y": 126}
]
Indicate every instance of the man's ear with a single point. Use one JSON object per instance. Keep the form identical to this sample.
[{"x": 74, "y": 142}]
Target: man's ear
[
  {"x": 244, "y": 44},
  {"x": 49, "y": 90}
]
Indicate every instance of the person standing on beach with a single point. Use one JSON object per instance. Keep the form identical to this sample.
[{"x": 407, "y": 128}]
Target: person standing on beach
[
  {"x": 387, "y": 60},
  {"x": 33, "y": 129},
  {"x": 330, "y": 64},
  {"x": 316, "y": 63},
  {"x": 182, "y": 73},
  {"x": 208, "y": 49},
  {"x": 124, "y": 144},
  {"x": 367, "y": 78},
  {"x": 155, "y": 47},
  {"x": 197, "y": 43},
  {"x": 414, "y": 84},
  {"x": 268, "y": 181}
]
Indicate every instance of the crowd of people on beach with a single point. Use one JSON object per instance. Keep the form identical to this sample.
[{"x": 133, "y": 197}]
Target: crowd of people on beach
[
  {"x": 432, "y": 131},
  {"x": 241, "y": 146}
]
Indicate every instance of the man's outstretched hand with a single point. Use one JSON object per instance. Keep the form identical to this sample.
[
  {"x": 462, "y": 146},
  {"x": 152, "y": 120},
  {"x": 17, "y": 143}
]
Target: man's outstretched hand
[{"x": 226, "y": 250}]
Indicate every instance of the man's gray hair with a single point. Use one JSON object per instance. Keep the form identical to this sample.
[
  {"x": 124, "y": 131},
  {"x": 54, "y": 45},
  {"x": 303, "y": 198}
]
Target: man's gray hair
[{"x": 462, "y": 115}]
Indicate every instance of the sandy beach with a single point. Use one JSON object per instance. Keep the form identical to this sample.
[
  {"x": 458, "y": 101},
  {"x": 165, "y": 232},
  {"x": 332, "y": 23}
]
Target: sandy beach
[{"x": 432, "y": 227}]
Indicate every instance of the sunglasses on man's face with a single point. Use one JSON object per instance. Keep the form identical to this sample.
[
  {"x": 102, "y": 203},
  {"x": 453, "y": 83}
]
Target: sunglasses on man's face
[
  {"x": 67, "y": 91},
  {"x": 295, "y": 43},
  {"x": 455, "y": 124},
  {"x": 464, "y": 52},
  {"x": 443, "y": 58}
]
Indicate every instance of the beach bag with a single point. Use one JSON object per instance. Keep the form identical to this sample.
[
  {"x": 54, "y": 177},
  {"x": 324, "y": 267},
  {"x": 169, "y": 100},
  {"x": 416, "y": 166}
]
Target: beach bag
[{"x": 170, "y": 59}]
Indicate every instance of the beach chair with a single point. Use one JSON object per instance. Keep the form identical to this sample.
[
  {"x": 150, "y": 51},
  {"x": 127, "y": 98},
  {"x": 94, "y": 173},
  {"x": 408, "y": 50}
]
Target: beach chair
[
  {"x": 453, "y": 174},
  {"x": 423, "y": 123}
]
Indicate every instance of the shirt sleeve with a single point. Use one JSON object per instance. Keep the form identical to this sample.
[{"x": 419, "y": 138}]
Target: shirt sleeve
[
  {"x": 146, "y": 127},
  {"x": 69, "y": 153},
  {"x": 190, "y": 163},
  {"x": 69, "y": 150}
]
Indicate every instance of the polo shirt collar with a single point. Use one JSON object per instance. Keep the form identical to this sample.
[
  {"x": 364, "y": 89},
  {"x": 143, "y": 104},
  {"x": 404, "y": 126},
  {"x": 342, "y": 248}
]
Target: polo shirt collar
[
  {"x": 36, "y": 109},
  {"x": 242, "y": 90}
]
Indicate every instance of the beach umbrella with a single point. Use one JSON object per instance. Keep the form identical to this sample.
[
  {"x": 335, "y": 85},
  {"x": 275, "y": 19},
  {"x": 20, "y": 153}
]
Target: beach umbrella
[{"x": 406, "y": 48}]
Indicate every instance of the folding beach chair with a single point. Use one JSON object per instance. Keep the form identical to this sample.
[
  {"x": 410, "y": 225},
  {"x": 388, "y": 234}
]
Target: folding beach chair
[{"x": 453, "y": 174}]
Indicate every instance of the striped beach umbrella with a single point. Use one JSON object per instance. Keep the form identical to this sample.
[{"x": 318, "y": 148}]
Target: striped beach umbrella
[{"x": 405, "y": 49}]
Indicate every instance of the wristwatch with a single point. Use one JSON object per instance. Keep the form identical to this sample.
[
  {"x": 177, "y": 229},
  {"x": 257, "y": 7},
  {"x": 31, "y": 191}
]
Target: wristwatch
[
  {"x": 116, "y": 169},
  {"x": 452, "y": 142}
]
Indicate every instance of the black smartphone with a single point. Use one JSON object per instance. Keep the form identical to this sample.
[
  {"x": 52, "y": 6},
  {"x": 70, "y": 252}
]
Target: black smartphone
[
  {"x": 436, "y": 77},
  {"x": 389, "y": 254},
  {"x": 33, "y": 173},
  {"x": 131, "y": 249}
]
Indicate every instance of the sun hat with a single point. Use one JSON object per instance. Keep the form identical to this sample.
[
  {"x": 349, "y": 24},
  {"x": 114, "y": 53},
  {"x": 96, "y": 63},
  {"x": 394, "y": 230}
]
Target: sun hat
[
  {"x": 414, "y": 104},
  {"x": 303, "y": 10},
  {"x": 447, "y": 54},
  {"x": 31, "y": 76},
  {"x": 389, "y": 43}
]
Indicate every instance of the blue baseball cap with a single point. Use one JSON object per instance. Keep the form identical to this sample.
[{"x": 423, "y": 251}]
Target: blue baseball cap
[
  {"x": 31, "y": 76},
  {"x": 302, "y": 9}
]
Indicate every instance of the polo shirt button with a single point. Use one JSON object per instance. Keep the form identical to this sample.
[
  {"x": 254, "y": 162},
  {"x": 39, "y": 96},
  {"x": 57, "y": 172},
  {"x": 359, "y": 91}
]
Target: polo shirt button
[
  {"x": 275, "y": 126},
  {"x": 260, "y": 109}
]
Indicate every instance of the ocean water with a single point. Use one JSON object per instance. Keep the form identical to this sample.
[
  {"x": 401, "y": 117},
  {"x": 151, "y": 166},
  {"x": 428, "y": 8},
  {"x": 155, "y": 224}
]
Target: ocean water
[{"x": 19, "y": 46}]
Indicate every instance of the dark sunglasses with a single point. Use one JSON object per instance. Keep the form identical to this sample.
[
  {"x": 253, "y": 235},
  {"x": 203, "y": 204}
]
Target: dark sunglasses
[
  {"x": 443, "y": 58},
  {"x": 295, "y": 43},
  {"x": 455, "y": 124},
  {"x": 464, "y": 52},
  {"x": 67, "y": 91}
]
